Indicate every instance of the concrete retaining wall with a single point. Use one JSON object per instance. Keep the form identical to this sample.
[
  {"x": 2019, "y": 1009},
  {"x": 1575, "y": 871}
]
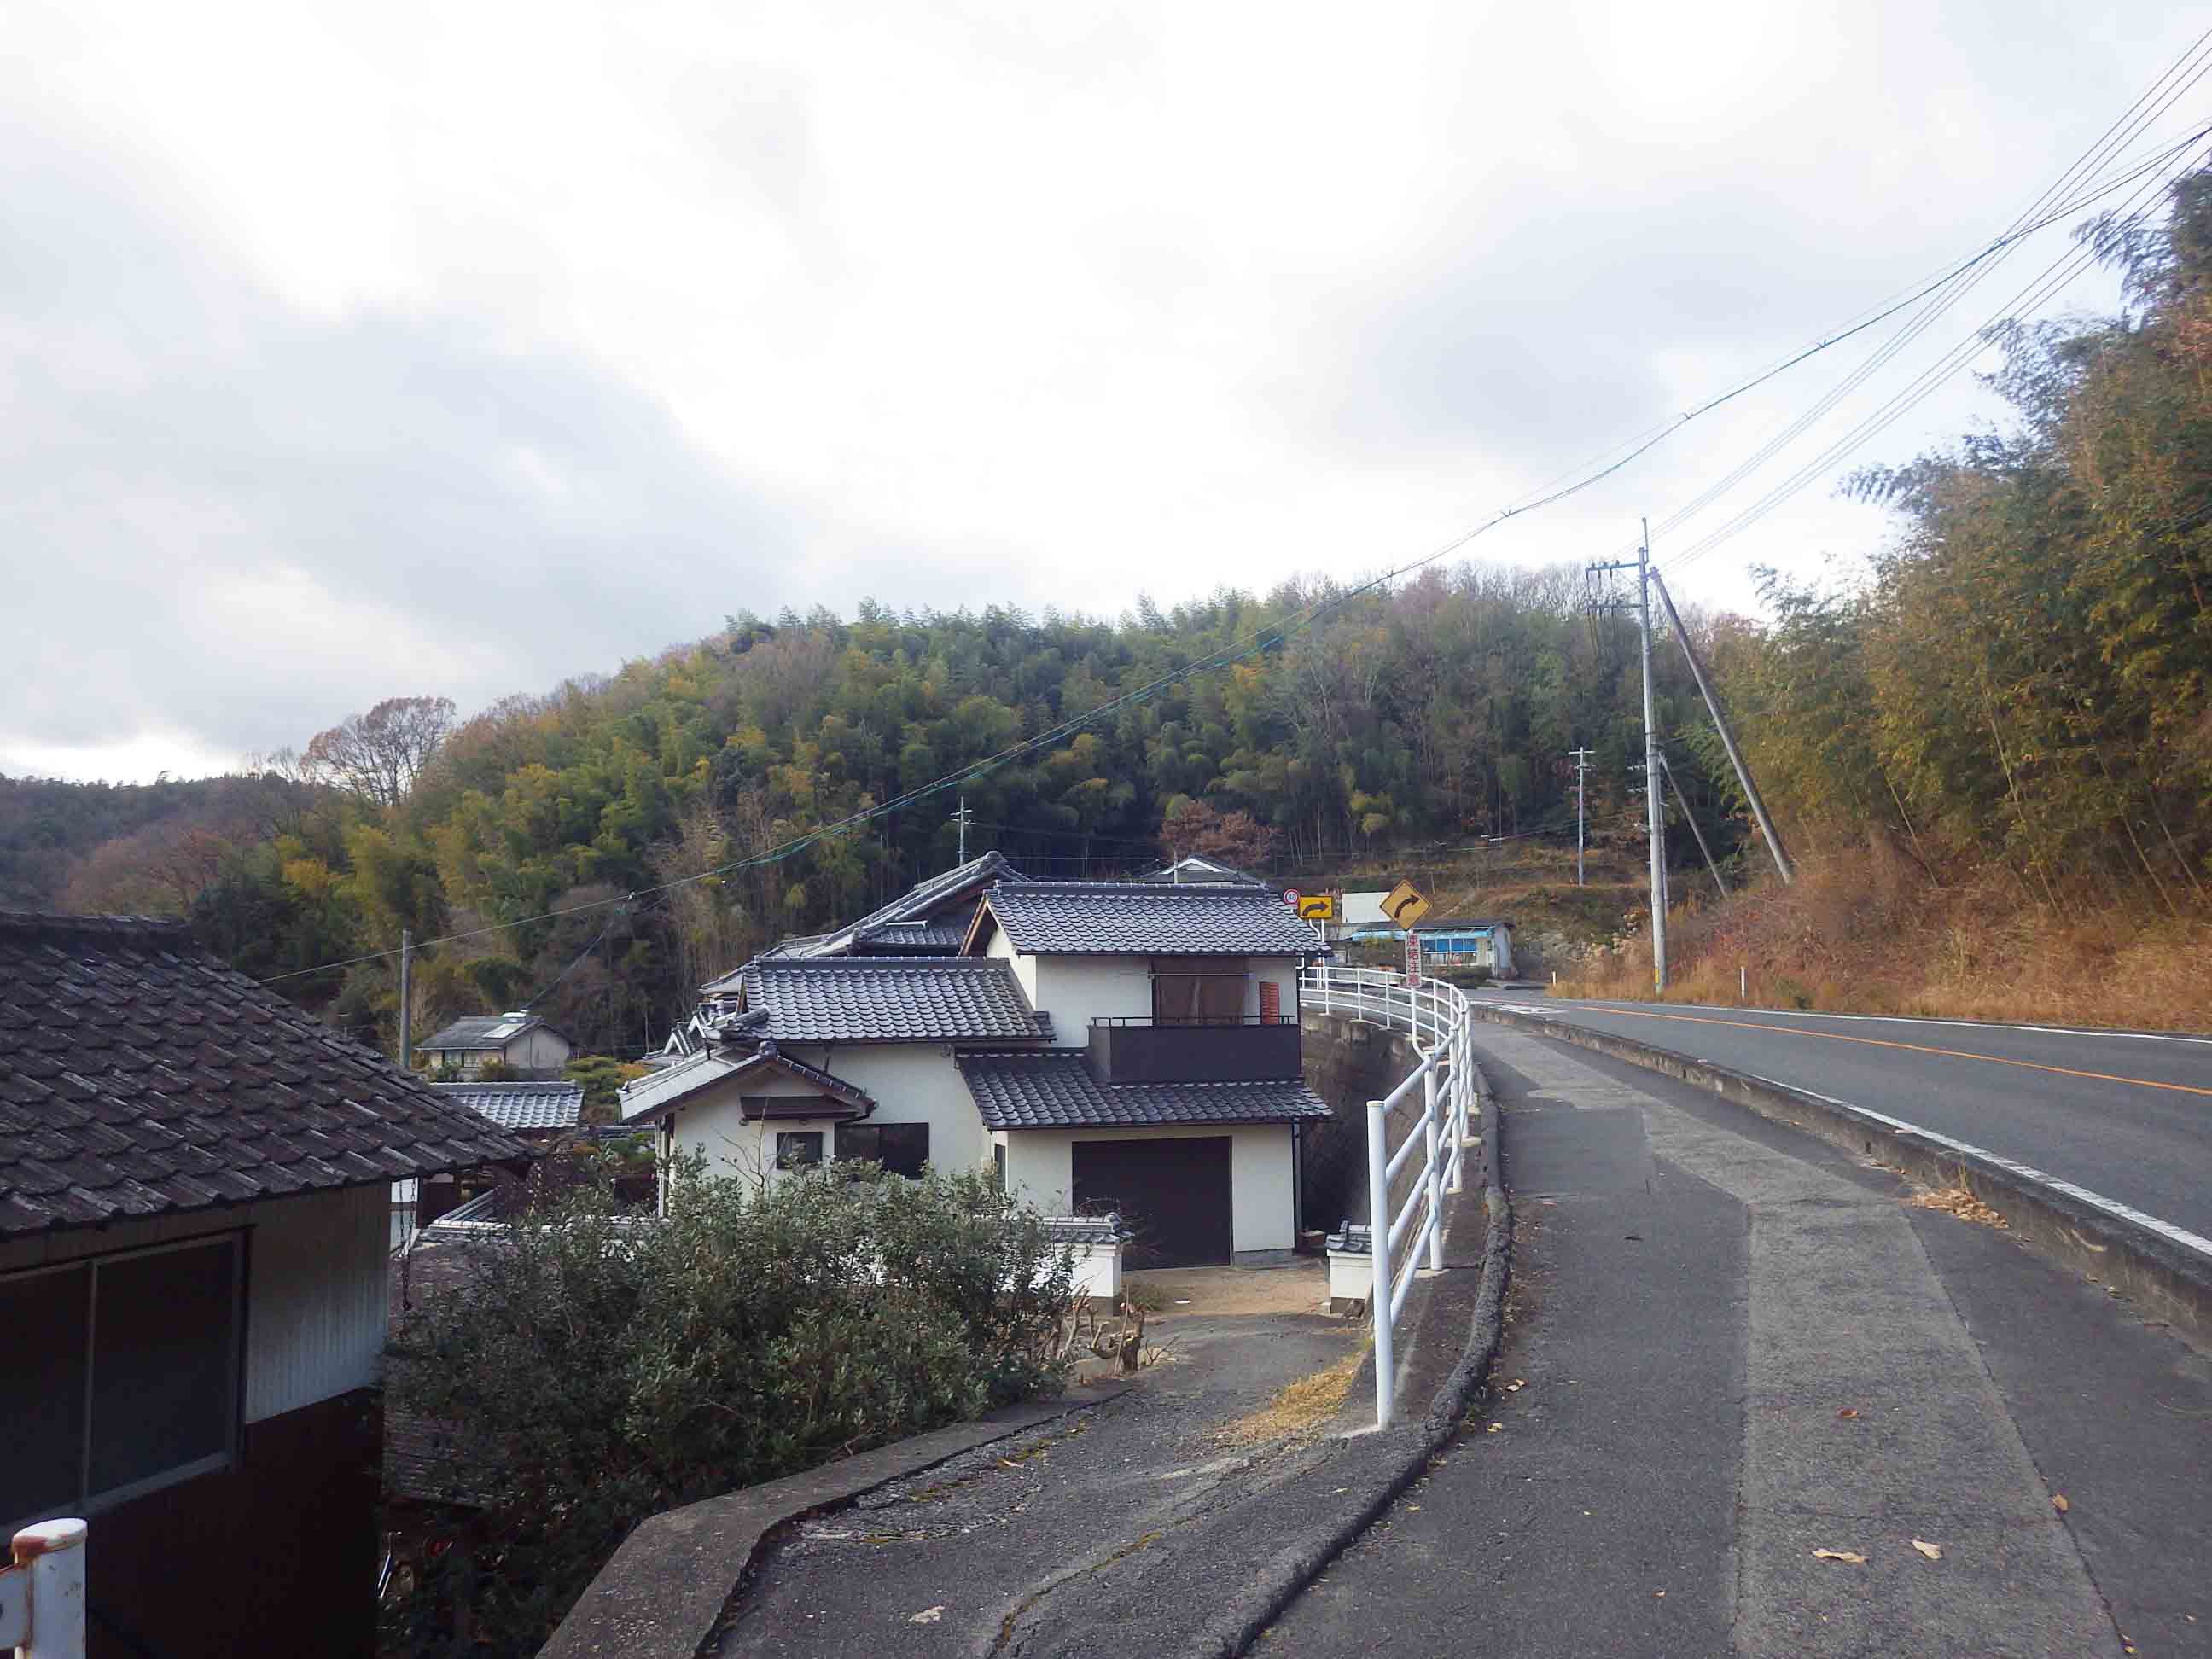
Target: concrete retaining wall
[{"x": 1349, "y": 1063}]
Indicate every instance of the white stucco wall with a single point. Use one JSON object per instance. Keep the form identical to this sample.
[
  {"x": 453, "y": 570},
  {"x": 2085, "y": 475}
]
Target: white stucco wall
[
  {"x": 1041, "y": 1170},
  {"x": 315, "y": 1288},
  {"x": 909, "y": 1082},
  {"x": 912, "y": 1083},
  {"x": 1076, "y": 990},
  {"x": 1024, "y": 967},
  {"x": 713, "y": 1126}
]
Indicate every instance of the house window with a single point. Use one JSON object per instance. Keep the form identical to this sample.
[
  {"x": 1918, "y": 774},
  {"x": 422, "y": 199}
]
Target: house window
[
  {"x": 1271, "y": 1002},
  {"x": 122, "y": 1376},
  {"x": 901, "y": 1148},
  {"x": 798, "y": 1149},
  {"x": 1198, "y": 991}
]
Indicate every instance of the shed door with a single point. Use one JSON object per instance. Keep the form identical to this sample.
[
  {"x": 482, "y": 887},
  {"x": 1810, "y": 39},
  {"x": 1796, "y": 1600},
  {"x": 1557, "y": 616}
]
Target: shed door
[{"x": 1174, "y": 1195}]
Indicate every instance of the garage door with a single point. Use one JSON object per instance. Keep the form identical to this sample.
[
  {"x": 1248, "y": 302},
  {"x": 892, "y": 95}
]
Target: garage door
[{"x": 1174, "y": 1195}]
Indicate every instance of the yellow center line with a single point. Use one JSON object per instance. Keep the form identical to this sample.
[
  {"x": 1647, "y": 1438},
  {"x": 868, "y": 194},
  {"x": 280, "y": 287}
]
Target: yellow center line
[{"x": 1916, "y": 1048}]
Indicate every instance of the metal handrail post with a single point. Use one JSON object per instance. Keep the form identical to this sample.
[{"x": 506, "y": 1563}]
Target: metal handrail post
[
  {"x": 42, "y": 1601},
  {"x": 1378, "y": 1235},
  {"x": 1436, "y": 1172}
]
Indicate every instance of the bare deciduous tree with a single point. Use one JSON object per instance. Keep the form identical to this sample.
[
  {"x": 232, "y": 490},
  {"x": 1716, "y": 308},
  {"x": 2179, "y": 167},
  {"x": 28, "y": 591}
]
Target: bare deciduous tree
[{"x": 378, "y": 755}]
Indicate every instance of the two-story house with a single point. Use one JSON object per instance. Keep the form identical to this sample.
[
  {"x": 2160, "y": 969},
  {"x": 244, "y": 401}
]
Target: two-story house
[
  {"x": 1104, "y": 1045},
  {"x": 1174, "y": 1091}
]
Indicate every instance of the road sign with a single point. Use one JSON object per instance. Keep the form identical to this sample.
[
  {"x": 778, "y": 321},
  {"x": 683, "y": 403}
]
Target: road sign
[
  {"x": 1412, "y": 957},
  {"x": 1291, "y": 897},
  {"x": 1317, "y": 907},
  {"x": 1406, "y": 906}
]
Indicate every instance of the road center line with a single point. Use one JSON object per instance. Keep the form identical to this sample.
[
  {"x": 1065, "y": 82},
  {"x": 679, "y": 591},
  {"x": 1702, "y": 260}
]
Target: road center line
[{"x": 1914, "y": 1048}]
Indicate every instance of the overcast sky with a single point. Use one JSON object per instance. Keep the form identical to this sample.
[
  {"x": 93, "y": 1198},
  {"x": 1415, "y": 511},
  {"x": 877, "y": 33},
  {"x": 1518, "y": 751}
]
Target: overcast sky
[{"x": 349, "y": 351}]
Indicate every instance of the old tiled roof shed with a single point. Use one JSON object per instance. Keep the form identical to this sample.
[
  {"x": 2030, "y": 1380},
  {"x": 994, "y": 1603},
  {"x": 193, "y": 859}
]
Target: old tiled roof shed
[
  {"x": 140, "y": 1076},
  {"x": 524, "y": 1106}
]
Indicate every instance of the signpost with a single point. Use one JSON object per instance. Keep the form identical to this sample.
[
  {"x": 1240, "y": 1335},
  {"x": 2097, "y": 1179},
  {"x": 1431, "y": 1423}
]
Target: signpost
[
  {"x": 1291, "y": 897},
  {"x": 1317, "y": 907},
  {"x": 1412, "y": 957}
]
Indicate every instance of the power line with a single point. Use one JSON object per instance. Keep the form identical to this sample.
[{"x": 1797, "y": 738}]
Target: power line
[{"x": 1278, "y": 633}]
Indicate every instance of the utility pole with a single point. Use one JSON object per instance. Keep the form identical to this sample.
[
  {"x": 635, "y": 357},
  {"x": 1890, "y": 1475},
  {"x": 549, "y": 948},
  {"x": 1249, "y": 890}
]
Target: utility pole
[
  {"x": 1692, "y": 819},
  {"x": 961, "y": 818},
  {"x": 1728, "y": 739},
  {"x": 407, "y": 967},
  {"x": 1654, "y": 819},
  {"x": 1582, "y": 765}
]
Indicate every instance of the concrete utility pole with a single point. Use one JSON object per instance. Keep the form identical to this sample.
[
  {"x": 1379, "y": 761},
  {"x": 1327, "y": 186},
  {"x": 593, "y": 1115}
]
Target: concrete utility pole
[
  {"x": 1654, "y": 819},
  {"x": 1690, "y": 818},
  {"x": 1728, "y": 737},
  {"x": 960, "y": 817},
  {"x": 1582, "y": 765},
  {"x": 407, "y": 967}
]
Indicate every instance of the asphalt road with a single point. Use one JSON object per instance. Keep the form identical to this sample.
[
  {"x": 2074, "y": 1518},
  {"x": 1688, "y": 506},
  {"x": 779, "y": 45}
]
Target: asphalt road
[
  {"x": 2127, "y": 1115},
  {"x": 1750, "y": 1404}
]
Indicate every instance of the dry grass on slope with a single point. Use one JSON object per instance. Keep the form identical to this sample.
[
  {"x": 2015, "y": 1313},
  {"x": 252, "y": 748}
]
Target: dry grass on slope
[{"x": 1866, "y": 932}]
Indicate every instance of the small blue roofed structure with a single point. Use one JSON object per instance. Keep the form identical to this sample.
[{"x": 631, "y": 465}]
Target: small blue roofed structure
[{"x": 1457, "y": 943}]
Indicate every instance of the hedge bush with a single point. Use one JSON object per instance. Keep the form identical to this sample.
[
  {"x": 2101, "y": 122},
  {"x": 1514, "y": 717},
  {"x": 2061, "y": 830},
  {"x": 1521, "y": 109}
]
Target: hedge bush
[{"x": 595, "y": 1368}]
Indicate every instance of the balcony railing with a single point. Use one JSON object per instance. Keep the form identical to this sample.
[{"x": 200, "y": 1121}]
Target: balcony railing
[{"x": 1194, "y": 1051}]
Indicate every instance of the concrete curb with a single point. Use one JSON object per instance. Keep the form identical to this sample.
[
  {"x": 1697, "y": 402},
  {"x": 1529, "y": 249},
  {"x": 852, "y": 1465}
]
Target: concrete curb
[
  {"x": 665, "y": 1592},
  {"x": 2168, "y": 1280},
  {"x": 1403, "y": 1458}
]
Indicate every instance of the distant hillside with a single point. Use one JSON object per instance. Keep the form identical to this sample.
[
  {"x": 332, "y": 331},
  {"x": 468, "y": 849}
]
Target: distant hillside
[{"x": 122, "y": 846}]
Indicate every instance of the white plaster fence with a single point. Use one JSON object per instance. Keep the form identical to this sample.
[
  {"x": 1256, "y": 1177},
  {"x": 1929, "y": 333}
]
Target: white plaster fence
[{"x": 1436, "y": 1016}]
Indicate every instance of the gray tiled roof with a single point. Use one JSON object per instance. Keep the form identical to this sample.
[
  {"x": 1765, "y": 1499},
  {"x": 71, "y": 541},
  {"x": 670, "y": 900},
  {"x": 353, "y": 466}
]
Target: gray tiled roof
[
  {"x": 482, "y": 1031},
  {"x": 521, "y": 1105},
  {"x": 889, "y": 999},
  {"x": 936, "y": 899},
  {"x": 1057, "y": 1090},
  {"x": 648, "y": 1098},
  {"x": 1052, "y": 918},
  {"x": 140, "y": 1076}
]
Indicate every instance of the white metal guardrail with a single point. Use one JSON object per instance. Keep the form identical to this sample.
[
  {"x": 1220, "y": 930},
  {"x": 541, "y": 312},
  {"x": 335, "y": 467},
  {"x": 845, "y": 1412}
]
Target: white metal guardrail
[
  {"x": 42, "y": 1593},
  {"x": 1436, "y": 1016}
]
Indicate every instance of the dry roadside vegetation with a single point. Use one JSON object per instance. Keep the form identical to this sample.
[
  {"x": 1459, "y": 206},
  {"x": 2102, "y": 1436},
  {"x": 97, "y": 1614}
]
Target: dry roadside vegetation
[{"x": 1863, "y": 931}]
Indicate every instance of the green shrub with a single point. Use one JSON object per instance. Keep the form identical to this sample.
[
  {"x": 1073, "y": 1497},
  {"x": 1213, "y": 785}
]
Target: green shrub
[{"x": 596, "y": 1369}]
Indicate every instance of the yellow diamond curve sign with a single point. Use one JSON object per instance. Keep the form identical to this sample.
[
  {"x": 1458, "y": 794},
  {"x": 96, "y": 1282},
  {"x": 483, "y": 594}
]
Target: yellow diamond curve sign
[{"x": 1405, "y": 905}]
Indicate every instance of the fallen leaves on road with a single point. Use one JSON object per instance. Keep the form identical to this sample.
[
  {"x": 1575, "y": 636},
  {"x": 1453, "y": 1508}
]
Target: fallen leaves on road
[
  {"x": 2058, "y": 1502},
  {"x": 1493, "y": 1428},
  {"x": 1958, "y": 1202},
  {"x": 928, "y": 1615},
  {"x": 1851, "y": 1556},
  {"x": 1517, "y": 1385},
  {"x": 1300, "y": 1407},
  {"x": 1933, "y": 1551},
  {"x": 1848, "y": 1412}
]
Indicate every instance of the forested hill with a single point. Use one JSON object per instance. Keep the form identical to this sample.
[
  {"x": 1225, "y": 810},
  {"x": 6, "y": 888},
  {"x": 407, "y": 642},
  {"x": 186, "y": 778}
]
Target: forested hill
[
  {"x": 2016, "y": 698},
  {"x": 1438, "y": 712}
]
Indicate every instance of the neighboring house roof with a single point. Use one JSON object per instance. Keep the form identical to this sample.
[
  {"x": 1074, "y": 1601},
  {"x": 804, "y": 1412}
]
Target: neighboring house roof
[
  {"x": 484, "y": 1031},
  {"x": 140, "y": 1076},
  {"x": 521, "y": 1105},
  {"x": 650, "y": 1098},
  {"x": 1057, "y": 1090},
  {"x": 1193, "y": 868},
  {"x": 1470, "y": 927},
  {"x": 889, "y": 999},
  {"x": 928, "y": 900},
  {"x": 940, "y": 936},
  {"x": 1134, "y": 918}
]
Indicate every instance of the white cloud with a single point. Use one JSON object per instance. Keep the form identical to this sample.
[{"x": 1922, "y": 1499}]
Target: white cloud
[{"x": 505, "y": 342}]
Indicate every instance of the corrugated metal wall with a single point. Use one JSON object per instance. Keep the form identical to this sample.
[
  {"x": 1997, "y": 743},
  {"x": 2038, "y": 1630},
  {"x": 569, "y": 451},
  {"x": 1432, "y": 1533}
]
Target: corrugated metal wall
[{"x": 315, "y": 1294}]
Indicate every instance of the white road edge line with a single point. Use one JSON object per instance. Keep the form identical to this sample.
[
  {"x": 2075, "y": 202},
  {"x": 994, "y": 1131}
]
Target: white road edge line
[
  {"x": 1916, "y": 1019},
  {"x": 2165, "y": 1229}
]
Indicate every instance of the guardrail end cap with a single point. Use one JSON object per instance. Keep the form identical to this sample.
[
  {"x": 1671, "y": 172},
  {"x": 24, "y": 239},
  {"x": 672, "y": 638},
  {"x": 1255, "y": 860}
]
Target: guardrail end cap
[{"x": 48, "y": 1538}]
